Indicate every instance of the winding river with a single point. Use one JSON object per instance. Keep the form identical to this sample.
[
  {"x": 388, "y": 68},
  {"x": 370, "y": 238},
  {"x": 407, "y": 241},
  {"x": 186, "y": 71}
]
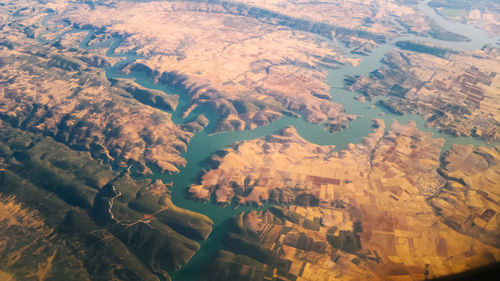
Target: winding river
[{"x": 204, "y": 144}]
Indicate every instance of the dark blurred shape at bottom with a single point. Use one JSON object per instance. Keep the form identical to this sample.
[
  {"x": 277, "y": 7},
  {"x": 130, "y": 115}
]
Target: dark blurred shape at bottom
[{"x": 486, "y": 273}]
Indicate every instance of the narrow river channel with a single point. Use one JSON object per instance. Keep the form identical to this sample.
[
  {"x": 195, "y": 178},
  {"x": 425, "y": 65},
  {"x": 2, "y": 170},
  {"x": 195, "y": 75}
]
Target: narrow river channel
[{"x": 204, "y": 144}]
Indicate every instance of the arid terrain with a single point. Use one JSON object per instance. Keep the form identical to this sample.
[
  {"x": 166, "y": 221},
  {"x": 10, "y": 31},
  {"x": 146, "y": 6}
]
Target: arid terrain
[
  {"x": 484, "y": 14},
  {"x": 183, "y": 140},
  {"x": 385, "y": 209},
  {"x": 457, "y": 93},
  {"x": 103, "y": 220},
  {"x": 68, "y": 99},
  {"x": 279, "y": 70}
]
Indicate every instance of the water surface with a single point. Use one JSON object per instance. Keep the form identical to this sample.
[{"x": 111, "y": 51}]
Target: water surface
[{"x": 205, "y": 143}]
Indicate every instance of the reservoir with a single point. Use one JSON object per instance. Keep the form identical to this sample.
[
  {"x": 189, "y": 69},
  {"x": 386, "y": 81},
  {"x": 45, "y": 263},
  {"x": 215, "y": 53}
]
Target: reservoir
[{"x": 205, "y": 143}]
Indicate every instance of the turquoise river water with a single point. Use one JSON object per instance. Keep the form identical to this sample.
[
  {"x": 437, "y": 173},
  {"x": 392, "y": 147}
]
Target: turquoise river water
[{"x": 204, "y": 143}]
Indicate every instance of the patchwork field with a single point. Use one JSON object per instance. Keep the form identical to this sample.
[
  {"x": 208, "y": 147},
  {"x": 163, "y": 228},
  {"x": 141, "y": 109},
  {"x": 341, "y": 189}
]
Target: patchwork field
[
  {"x": 116, "y": 116},
  {"x": 457, "y": 93},
  {"x": 388, "y": 208}
]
